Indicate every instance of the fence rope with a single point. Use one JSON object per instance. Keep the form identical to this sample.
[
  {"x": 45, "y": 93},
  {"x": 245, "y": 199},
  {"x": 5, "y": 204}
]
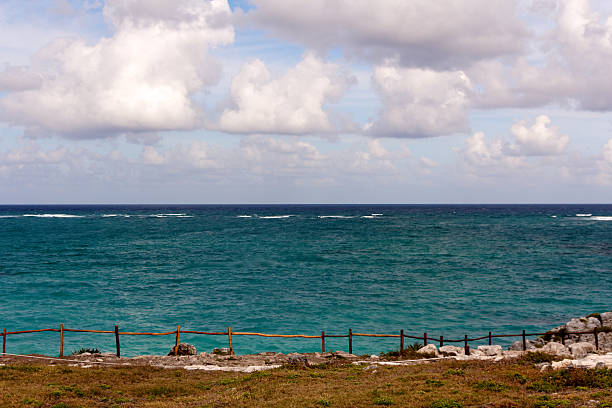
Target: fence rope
[{"x": 350, "y": 336}]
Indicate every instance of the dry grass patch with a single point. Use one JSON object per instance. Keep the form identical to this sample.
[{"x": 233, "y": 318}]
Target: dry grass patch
[{"x": 442, "y": 384}]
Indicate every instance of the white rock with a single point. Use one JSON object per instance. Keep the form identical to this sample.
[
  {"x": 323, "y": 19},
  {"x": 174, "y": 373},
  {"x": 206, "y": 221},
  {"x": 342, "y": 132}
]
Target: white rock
[
  {"x": 491, "y": 350},
  {"x": 451, "y": 350},
  {"x": 428, "y": 349},
  {"x": 580, "y": 350},
  {"x": 559, "y": 365},
  {"x": 555, "y": 348},
  {"x": 606, "y": 319},
  {"x": 374, "y": 357}
]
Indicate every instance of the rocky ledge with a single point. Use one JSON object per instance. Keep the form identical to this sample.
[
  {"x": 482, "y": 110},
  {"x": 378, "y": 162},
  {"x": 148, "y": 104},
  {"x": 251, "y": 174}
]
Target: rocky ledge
[{"x": 573, "y": 350}]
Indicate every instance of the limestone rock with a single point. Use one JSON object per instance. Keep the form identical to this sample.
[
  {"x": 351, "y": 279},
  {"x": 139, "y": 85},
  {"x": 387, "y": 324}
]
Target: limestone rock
[
  {"x": 555, "y": 348},
  {"x": 580, "y": 350},
  {"x": 224, "y": 351},
  {"x": 299, "y": 360},
  {"x": 184, "y": 349},
  {"x": 518, "y": 345},
  {"x": 428, "y": 349},
  {"x": 559, "y": 365},
  {"x": 491, "y": 350},
  {"x": 451, "y": 351},
  {"x": 606, "y": 319}
]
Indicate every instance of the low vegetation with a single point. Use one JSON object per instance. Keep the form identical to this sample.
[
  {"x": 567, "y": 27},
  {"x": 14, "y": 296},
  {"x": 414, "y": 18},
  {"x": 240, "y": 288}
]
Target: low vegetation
[{"x": 441, "y": 384}]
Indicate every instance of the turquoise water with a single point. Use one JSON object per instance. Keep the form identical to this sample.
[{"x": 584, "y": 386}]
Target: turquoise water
[{"x": 446, "y": 270}]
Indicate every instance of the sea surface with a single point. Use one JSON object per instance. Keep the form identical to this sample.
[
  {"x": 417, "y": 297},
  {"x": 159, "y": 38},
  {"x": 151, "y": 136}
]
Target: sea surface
[{"x": 297, "y": 269}]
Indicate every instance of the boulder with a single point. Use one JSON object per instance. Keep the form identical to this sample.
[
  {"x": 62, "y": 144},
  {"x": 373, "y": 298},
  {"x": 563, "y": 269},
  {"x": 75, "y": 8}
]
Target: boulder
[
  {"x": 560, "y": 365},
  {"x": 224, "y": 351},
  {"x": 491, "y": 350},
  {"x": 428, "y": 349},
  {"x": 580, "y": 350},
  {"x": 518, "y": 345},
  {"x": 451, "y": 351},
  {"x": 605, "y": 341},
  {"x": 583, "y": 324},
  {"x": 298, "y": 360},
  {"x": 184, "y": 349},
  {"x": 554, "y": 348},
  {"x": 606, "y": 319}
]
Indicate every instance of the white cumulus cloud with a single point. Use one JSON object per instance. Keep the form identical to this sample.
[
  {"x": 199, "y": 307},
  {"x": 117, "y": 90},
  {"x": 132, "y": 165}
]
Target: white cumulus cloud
[
  {"x": 420, "y": 102},
  {"x": 139, "y": 79},
  {"x": 419, "y": 32},
  {"x": 290, "y": 104},
  {"x": 539, "y": 139}
]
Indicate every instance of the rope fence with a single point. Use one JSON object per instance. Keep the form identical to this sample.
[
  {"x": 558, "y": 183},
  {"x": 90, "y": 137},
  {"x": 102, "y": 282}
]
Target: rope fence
[{"x": 563, "y": 334}]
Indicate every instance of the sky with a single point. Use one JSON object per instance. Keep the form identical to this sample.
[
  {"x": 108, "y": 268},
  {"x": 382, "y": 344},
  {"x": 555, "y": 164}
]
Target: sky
[{"x": 319, "y": 101}]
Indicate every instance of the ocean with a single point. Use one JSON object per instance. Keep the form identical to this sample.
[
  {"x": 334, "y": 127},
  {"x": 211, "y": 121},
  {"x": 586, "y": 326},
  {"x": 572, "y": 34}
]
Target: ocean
[{"x": 297, "y": 269}]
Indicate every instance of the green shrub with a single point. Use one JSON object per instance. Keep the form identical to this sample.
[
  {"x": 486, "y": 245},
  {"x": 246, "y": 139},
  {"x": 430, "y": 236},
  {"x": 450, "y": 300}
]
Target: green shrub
[
  {"x": 445, "y": 403},
  {"x": 543, "y": 386},
  {"x": 435, "y": 383},
  {"x": 537, "y": 357},
  {"x": 518, "y": 377},
  {"x": 384, "y": 400},
  {"x": 547, "y": 402},
  {"x": 489, "y": 385}
]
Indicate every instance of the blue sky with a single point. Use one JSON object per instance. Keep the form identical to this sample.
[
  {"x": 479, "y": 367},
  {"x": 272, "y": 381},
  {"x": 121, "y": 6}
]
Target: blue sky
[{"x": 260, "y": 101}]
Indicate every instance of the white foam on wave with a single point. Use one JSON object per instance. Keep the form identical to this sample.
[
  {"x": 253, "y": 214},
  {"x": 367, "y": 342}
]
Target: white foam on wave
[
  {"x": 373, "y": 215},
  {"x": 244, "y": 216},
  {"x": 116, "y": 215},
  {"x": 275, "y": 217},
  {"x": 602, "y": 218},
  {"x": 336, "y": 216},
  {"x": 9, "y": 216},
  {"x": 53, "y": 215},
  {"x": 583, "y": 215},
  {"x": 376, "y": 215},
  {"x": 553, "y": 216}
]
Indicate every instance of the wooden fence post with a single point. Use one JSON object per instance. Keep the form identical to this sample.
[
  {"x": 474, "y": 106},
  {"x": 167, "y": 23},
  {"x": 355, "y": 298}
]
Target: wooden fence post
[
  {"x": 401, "y": 342},
  {"x": 441, "y": 341},
  {"x": 524, "y": 342},
  {"x": 117, "y": 341},
  {"x": 596, "y": 338},
  {"x": 61, "y": 340},
  {"x": 350, "y": 337},
  {"x": 323, "y": 342},
  {"x": 489, "y": 338},
  {"x": 4, "y": 342},
  {"x": 229, "y": 337},
  {"x": 425, "y": 339},
  {"x": 178, "y": 332},
  {"x": 466, "y": 347}
]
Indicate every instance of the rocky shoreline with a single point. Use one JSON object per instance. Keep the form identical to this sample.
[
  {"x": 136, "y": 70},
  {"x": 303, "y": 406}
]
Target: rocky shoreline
[{"x": 572, "y": 351}]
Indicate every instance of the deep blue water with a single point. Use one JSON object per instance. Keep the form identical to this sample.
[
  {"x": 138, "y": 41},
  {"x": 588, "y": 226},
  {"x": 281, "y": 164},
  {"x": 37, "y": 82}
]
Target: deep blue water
[{"x": 445, "y": 270}]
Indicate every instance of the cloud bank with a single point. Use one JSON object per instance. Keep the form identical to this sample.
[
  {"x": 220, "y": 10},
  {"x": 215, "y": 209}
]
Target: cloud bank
[{"x": 140, "y": 79}]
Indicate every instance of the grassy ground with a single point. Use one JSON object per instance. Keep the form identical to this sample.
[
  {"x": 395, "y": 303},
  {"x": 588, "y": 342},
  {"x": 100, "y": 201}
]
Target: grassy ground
[{"x": 445, "y": 384}]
